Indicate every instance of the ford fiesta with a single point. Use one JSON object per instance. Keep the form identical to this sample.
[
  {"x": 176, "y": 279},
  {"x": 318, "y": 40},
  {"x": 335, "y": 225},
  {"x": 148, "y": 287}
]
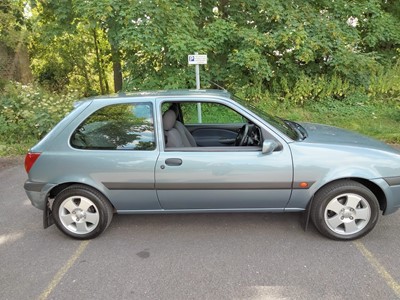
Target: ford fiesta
[{"x": 198, "y": 151}]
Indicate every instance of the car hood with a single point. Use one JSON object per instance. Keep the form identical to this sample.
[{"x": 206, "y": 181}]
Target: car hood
[{"x": 324, "y": 134}]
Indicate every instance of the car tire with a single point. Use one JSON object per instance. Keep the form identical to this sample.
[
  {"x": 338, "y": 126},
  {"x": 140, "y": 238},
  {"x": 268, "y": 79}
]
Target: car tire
[
  {"x": 82, "y": 212},
  {"x": 345, "y": 210}
]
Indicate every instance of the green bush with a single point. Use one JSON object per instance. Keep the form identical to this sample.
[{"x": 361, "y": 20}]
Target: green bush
[{"x": 27, "y": 112}]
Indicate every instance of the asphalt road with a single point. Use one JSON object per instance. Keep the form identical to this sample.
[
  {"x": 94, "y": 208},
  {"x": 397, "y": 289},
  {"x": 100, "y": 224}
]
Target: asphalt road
[{"x": 205, "y": 256}]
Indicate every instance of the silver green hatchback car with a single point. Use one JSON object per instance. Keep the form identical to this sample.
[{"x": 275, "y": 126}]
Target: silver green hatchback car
[{"x": 203, "y": 151}]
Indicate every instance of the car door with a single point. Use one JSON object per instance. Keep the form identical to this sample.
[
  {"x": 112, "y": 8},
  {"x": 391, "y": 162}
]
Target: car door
[
  {"x": 224, "y": 178},
  {"x": 218, "y": 180}
]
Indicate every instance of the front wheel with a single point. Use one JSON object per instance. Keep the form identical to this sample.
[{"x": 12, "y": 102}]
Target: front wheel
[
  {"x": 345, "y": 210},
  {"x": 81, "y": 212}
]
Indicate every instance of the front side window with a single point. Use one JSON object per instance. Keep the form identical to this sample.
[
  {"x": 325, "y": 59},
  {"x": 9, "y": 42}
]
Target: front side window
[
  {"x": 117, "y": 127},
  {"x": 207, "y": 124}
]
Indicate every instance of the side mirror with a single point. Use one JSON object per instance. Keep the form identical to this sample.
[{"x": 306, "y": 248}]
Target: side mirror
[{"x": 269, "y": 146}]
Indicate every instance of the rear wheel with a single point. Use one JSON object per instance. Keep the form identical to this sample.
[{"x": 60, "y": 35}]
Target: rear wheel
[
  {"x": 345, "y": 210},
  {"x": 81, "y": 212}
]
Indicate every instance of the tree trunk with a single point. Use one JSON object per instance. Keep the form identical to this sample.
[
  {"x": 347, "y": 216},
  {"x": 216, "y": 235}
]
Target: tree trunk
[
  {"x": 117, "y": 69},
  {"x": 98, "y": 62},
  {"x": 112, "y": 35},
  {"x": 106, "y": 82},
  {"x": 88, "y": 89},
  {"x": 223, "y": 8}
]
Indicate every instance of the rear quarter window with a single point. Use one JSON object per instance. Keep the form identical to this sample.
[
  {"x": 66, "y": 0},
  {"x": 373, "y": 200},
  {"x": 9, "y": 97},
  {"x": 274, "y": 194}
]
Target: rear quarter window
[{"x": 117, "y": 127}]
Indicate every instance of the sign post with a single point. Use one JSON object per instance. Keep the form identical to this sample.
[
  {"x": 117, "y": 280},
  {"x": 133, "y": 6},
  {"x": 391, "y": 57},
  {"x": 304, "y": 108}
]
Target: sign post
[{"x": 198, "y": 59}]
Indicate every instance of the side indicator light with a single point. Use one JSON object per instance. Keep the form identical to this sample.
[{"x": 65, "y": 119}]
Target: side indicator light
[{"x": 303, "y": 185}]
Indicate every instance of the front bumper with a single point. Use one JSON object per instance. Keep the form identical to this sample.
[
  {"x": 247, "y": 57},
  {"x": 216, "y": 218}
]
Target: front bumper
[{"x": 391, "y": 189}]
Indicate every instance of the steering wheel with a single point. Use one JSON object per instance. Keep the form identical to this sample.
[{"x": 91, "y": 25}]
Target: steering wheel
[{"x": 241, "y": 138}]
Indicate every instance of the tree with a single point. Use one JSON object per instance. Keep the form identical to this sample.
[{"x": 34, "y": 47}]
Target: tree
[
  {"x": 14, "y": 61},
  {"x": 68, "y": 50},
  {"x": 292, "y": 50}
]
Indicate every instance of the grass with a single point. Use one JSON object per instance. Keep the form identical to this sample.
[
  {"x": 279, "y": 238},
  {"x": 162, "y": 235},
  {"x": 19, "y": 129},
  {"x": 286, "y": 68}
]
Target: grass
[{"x": 379, "y": 120}]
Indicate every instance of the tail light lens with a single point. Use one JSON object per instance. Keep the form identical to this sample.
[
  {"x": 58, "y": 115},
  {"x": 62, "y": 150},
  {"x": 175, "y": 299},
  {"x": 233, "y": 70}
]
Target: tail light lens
[{"x": 30, "y": 159}]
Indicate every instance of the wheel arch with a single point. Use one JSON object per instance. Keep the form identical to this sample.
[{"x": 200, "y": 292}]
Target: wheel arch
[
  {"x": 62, "y": 186},
  {"x": 374, "y": 188}
]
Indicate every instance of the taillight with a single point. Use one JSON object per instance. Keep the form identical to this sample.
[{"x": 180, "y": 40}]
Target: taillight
[{"x": 30, "y": 159}]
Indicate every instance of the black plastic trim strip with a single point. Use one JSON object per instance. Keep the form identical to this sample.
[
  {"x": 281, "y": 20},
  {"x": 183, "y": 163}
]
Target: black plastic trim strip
[
  {"x": 33, "y": 186},
  {"x": 225, "y": 186},
  {"x": 392, "y": 180},
  {"x": 207, "y": 186},
  {"x": 129, "y": 185}
]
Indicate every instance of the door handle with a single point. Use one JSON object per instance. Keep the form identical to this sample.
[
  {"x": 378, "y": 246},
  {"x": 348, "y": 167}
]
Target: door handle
[{"x": 173, "y": 162}]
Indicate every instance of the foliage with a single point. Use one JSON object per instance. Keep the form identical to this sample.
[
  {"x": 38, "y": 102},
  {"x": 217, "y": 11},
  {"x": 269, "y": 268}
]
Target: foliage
[
  {"x": 211, "y": 113},
  {"x": 66, "y": 52},
  {"x": 261, "y": 47},
  {"x": 386, "y": 83},
  {"x": 12, "y": 23},
  {"x": 29, "y": 112},
  {"x": 292, "y": 50}
]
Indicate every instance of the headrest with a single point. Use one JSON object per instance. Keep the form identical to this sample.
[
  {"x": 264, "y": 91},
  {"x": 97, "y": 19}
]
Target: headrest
[{"x": 169, "y": 119}]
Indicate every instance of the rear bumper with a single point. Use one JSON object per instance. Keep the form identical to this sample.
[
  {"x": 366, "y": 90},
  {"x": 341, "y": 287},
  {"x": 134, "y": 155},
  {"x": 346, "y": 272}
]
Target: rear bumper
[{"x": 37, "y": 192}]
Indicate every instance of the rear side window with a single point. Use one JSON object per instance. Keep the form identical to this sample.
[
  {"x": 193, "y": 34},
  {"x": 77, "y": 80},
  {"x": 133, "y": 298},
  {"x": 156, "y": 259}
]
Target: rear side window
[{"x": 117, "y": 127}]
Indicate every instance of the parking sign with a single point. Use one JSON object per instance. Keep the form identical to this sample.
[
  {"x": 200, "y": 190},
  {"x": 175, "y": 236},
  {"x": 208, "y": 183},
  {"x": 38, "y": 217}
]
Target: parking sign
[{"x": 197, "y": 59}]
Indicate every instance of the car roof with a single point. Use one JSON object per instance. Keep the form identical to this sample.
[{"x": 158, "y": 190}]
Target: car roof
[
  {"x": 167, "y": 93},
  {"x": 159, "y": 93}
]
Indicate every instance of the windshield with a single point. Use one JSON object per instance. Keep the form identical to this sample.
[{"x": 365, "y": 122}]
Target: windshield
[{"x": 277, "y": 122}]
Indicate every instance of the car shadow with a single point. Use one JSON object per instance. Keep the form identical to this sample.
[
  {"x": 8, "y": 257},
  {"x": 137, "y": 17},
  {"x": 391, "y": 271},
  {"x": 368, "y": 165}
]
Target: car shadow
[{"x": 274, "y": 223}]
